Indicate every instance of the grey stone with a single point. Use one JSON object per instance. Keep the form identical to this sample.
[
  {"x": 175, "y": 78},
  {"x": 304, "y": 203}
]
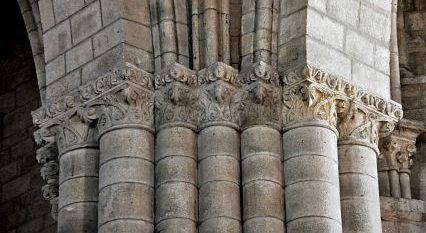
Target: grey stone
[
  {"x": 86, "y": 22},
  {"x": 79, "y": 55},
  {"x": 57, "y": 40}
]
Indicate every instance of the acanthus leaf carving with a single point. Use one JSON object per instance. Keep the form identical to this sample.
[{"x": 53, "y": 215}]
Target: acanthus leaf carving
[
  {"x": 219, "y": 96},
  {"x": 175, "y": 100},
  {"x": 262, "y": 103}
]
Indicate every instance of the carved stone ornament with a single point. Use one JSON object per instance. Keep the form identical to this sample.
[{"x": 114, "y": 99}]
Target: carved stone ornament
[
  {"x": 358, "y": 114},
  {"x": 175, "y": 99},
  {"x": 47, "y": 156},
  {"x": 398, "y": 149},
  {"x": 262, "y": 102},
  {"x": 219, "y": 96}
]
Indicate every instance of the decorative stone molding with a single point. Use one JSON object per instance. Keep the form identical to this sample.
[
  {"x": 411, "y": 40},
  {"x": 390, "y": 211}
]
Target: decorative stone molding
[
  {"x": 398, "y": 149},
  {"x": 262, "y": 104},
  {"x": 47, "y": 156},
  {"x": 316, "y": 95},
  {"x": 175, "y": 99},
  {"x": 219, "y": 96}
]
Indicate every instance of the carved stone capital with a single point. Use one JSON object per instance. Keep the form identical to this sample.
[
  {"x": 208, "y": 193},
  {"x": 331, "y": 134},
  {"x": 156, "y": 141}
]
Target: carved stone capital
[
  {"x": 47, "y": 156},
  {"x": 360, "y": 116},
  {"x": 219, "y": 96},
  {"x": 262, "y": 102},
  {"x": 398, "y": 149},
  {"x": 175, "y": 99}
]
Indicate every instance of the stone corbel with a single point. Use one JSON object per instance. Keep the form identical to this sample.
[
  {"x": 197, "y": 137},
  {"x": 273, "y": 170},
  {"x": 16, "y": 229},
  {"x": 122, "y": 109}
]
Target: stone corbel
[
  {"x": 262, "y": 102},
  {"x": 175, "y": 99},
  {"x": 219, "y": 96},
  {"x": 47, "y": 156}
]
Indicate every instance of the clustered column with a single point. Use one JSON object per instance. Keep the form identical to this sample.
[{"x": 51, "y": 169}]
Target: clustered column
[
  {"x": 176, "y": 151},
  {"x": 219, "y": 150},
  {"x": 261, "y": 151},
  {"x": 126, "y": 141},
  {"x": 358, "y": 151},
  {"x": 310, "y": 157},
  {"x": 394, "y": 164}
]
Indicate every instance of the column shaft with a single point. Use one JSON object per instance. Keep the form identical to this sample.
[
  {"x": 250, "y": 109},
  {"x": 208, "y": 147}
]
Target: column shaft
[
  {"x": 126, "y": 180},
  {"x": 176, "y": 177},
  {"x": 359, "y": 189},
  {"x": 219, "y": 180},
  {"x": 384, "y": 184},
  {"x": 311, "y": 178},
  {"x": 394, "y": 183},
  {"x": 78, "y": 194},
  {"x": 404, "y": 180},
  {"x": 261, "y": 161}
]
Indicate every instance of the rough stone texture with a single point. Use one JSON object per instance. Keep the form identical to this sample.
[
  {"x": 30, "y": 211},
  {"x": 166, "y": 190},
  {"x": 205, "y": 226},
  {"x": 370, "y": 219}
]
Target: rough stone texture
[
  {"x": 22, "y": 207},
  {"x": 339, "y": 36}
]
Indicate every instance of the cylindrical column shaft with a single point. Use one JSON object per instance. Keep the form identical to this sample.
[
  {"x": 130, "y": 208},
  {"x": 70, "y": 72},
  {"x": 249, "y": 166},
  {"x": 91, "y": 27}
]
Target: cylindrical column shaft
[
  {"x": 211, "y": 32},
  {"x": 176, "y": 177},
  {"x": 126, "y": 181},
  {"x": 311, "y": 178},
  {"x": 263, "y": 27},
  {"x": 219, "y": 180},
  {"x": 384, "y": 184},
  {"x": 359, "y": 189},
  {"x": 78, "y": 194},
  {"x": 404, "y": 180},
  {"x": 394, "y": 183},
  {"x": 261, "y": 161}
]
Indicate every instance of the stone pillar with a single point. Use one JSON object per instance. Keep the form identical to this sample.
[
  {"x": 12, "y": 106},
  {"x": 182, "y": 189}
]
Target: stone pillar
[
  {"x": 359, "y": 127},
  {"x": 176, "y": 151},
  {"x": 219, "y": 150},
  {"x": 261, "y": 151},
  {"x": 310, "y": 155},
  {"x": 126, "y": 142},
  {"x": 397, "y": 152},
  {"x": 78, "y": 174}
]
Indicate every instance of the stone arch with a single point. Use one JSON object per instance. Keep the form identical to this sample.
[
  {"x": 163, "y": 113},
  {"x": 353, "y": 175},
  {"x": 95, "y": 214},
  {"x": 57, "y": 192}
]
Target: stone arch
[{"x": 31, "y": 16}]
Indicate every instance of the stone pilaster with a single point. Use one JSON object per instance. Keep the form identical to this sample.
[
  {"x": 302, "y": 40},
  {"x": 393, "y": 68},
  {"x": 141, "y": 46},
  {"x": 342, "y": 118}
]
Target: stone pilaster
[
  {"x": 219, "y": 100},
  {"x": 310, "y": 154},
  {"x": 396, "y": 158},
  {"x": 261, "y": 151},
  {"x": 176, "y": 150}
]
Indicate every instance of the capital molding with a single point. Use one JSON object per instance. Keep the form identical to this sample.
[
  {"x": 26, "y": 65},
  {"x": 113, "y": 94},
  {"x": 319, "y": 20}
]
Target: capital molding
[
  {"x": 175, "y": 97},
  {"x": 219, "y": 96},
  {"x": 263, "y": 93},
  {"x": 360, "y": 116},
  {"x": 398, "y": 149}
]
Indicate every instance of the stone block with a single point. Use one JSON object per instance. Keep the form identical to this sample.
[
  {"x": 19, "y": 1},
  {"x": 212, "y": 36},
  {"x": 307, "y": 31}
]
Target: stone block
[
  {"x": 79, "y": 55},
  {"x": 55, "y": 69},
  {"x": 290, "y": 6},
  {"x": 25, "y": 93},
  {"x": 319, "y": 5},
  {"x": 137, "y": 35},
  {"x": 46, "y": 14},
  {"x": 248, "y": 23},
  {"x": 293, "y": 26},
  {"x": 108, "y": 38},
  {"x": 84, "y": 213},
  {"x": 292, "y": 55},
  {"x": 32, "y": 226},
  {"x": 7, "y": 102},
  {"x": 359, "y": 47},
  {"x": 328, "y": 59},
  {"x": 140, "y": 58},
  {"x": 382, "y": 59},
  {"x": 9, "y": 172},
  {"x": 134, "y": 10},
  {"x": 375, "y": 24},
  {"x": 65, "y": 8},
  {"x": 416, "y": 21},
  {"x": 385, "y": 5},
  {"x": 15, "y": 187},
  {"x": 371, "y": 80},
  {"x": 176, "y": 200},
  {"x": 19, "y": 119},
  {"x": 81, "y": 189},
  {"x": 345, "y": 10},
  {"x": 101, "y": 65},
  {"x": 57, "y": 40},
  {"x": 325, "y": 29},
  {"x": 63, "y": 86},
  {"x": 79, "y": 163},
  {"x": 86, "y": 22}
]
